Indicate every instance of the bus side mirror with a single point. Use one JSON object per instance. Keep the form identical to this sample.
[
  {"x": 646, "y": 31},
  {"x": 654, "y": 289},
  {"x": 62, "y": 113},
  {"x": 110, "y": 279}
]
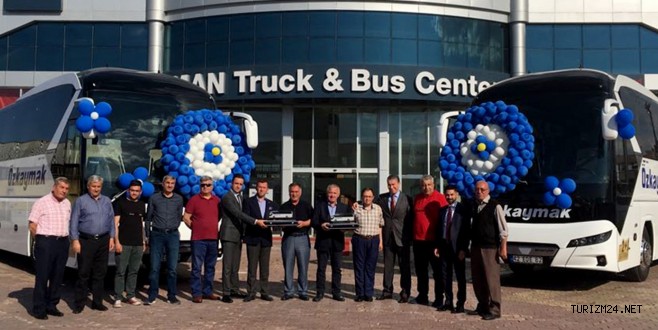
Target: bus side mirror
[
  {"x": 608, "y": 123},
  {"x": 251, "y": 133}
]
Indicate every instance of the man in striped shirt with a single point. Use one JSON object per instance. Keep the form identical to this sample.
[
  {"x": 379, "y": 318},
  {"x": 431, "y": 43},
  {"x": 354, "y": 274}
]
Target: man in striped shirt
[{"x": 366, "y": 244}]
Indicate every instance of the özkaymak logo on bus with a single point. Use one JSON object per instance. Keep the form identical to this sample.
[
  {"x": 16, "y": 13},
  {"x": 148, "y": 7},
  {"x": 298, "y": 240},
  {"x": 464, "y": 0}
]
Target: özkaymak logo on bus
[
  {"x": 536, "y": 212},
  {"x": 26, "y": 176},
  {"x": 649, "y": 180}
]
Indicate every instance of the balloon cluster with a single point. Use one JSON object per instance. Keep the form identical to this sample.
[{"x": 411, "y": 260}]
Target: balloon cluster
[
  {"x": 205, "y": 143},
  {"x": 558, "y": 192},
  {"x": 491, "y": 142},
  {"x": 624, "y": 118},
  {"x": 140, "y": 173},
  {"x": 93, "y": 118}
]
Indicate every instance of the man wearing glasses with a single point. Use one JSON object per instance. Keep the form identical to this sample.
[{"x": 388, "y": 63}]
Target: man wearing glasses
[{"x": 202, "y": 216}]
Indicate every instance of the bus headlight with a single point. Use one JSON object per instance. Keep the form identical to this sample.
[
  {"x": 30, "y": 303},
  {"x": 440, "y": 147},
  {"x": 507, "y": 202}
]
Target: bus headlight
[{"x": 589, "y": 240}]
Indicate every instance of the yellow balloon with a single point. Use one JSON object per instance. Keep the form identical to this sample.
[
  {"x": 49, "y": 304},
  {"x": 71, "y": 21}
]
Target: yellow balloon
[
  {"x": 482, "y": 147},
  {"x": 215, "y": 151}
]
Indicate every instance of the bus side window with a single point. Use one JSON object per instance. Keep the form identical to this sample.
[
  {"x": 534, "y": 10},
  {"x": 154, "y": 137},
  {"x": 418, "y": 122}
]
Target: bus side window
[
  {"x": 645, "y": 113},
  {"x": 66, "y": 159}
]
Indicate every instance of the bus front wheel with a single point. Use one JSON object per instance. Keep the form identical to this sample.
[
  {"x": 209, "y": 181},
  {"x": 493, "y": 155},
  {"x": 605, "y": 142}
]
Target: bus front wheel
[{"x": 641, "y": 272}]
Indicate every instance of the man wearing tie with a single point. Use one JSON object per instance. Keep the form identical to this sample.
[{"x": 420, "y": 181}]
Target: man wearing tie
[
  {"x": 452, "y": 245},
  {"x": 231, "y": 233},
  {"x": 397, "y": 236}
]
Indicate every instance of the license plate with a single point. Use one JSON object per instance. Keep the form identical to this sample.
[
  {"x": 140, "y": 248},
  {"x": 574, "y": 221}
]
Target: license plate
[{"x": 527, "y": 260}]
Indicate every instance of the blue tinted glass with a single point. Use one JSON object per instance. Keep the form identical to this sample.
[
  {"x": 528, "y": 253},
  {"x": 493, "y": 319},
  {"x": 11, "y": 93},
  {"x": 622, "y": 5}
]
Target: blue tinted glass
[
  {"x": 404, "y": 26},
  {"x": 322, "y": 24},
  {"x": 349, "y": 50},
  {"x": 475, "y": 32},
  {"x": 78, "y": 34},
  {"x": 350, "y": 24},
  {"x": 106, "y": 56},
  {"x": 24, "y": 37},
  {"x": 596, "y": 59},
  {"x": 626, "y": 61},
  {"x": 195, "y": 31},
  {"x": 176, "y": 34},
  {"x": 195, "y": 56},
  {"x": 498, "y": 35},
  {"x": 497, "y": 59},
  {"x": 649, "y": 63},
  {"x": 174, "y": 58},
  {"x": 405, "y": 52},
  {"x": 294, "y": 24},
  {"x": 378, "y": 50},
  {"x": 454, "y": 54},
  {"x": 107, "y": 34},
  {"x": 625, "y": 36},
  {"x": 567, "y": 58},
  {"x": 539, "y": 36},
  {"x": 50, "y": 34},
  {"x": 21, "y": 58},
  {"x": 596, "y": 36},
  {"x": 648, "y": 38},
  {"x": 50, "y": 58},
  {"x": 242, "y": 53},
  {"x": 242, "y": 27},
  {"x": 268, "y": 51},
  {"x": 217, "y": 54},
  {"x": 568, "y": 36},
  {"x": 538, "y": 60},
  {"x": 478, "y": 57},
  {"x": 429, "y": 27},
  {"x": 377, "y": 24},
  {"x": 322, "y": 50},
  {"x": 268, "y": 25},
  {"x": 3, "y": 54},
  {"x": 294, "y": 50},
  {"x": 175, "y": 48},
  {"x": 429, "y": 53},
  {"x": 217, "y": 28},
  {"x": 77, "y": 58},
  {"x": 134, "y": 58},
  {"x": 134, "y": 35}
]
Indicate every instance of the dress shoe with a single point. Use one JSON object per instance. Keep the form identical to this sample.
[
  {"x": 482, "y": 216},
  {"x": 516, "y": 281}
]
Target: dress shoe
[
  {"x": 476, "y": 312},
  {"x": 54, "y": 312},
  {"x": 437, "y": 304},
  {"x": 227, "y": 299},
  {"x": 238, "y": 294},
  {"x": 458, "y": 310},
  {"x": 318, "y": 297},
  {"x": 368, "y": 299},
  {"x": 99, "y": 307},
  {"x": 78, "y": 309},
  {"x": 197, "y": 300},
  {"x": 421, "y": 301},
  {"x": 303, "y": 297},
  {"x": 40, "y": 316},
  {"x": 249, "y": 298},
  {"x": 338, "y": 297},
  {"x": 286, "y": 297},
  {"x": 446, "y": 307},
  {"x": 490, "y": 316},
  {"x": 266, "y": 297},
  {"x": 385, "y": 296},
  {"x": 211, "y": 296},
  {"x": 359, "y": 299},
  {"x": 404, "y": 298}
]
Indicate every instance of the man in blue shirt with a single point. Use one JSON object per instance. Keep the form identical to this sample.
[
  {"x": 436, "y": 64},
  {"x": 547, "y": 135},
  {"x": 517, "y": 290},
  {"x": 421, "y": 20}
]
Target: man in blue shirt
[{"x": 92, "y": 237}]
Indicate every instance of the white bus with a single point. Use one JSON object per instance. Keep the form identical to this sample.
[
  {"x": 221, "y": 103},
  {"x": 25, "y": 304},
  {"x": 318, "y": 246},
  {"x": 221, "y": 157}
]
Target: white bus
[
  {"x": 39, "y": 140},
  {"x": 611, "y": 223}
]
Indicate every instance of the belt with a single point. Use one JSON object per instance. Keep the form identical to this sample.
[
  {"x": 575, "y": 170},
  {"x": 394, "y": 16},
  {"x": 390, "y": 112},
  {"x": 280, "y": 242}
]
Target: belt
[
  {"x": 53, "y": 237},
  {"x": 90, "y": 236},
  {"x": 298, "y": 234},
  {"x": 163, "y": 230},
  {"x": 366, "y": 236}
]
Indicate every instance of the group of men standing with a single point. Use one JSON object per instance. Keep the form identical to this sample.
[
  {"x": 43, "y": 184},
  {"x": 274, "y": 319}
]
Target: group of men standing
[{"x": 439, "y": 229}]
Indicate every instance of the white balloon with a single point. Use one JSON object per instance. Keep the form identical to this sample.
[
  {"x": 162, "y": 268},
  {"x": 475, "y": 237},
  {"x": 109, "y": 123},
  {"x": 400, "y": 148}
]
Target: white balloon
[
  {"x": 493, "y": 158},
  {"x": 214, "y": 135},
  {"x": 470, "y": 162},
  {"x": 486, "y": 129},
  {"x": 499, "y": 152},
  {"x": 222, "y": 167},
  {"x": 463, "y": 150},
  {"x": 231, "y": 164},
  {"x": 479, "y": 127},
  {"x": 499, "y": 141},
  {"x": 220, "y": 177},
  {"x": 94, "y": 115},
  {"x": 205, "y": 134},
  {"x": 198, "y": 163},
  {"x": 557, "y": 191},
  {"x": 472, "y": 135},
  {"x": 488, "y": 165},
  {"x": 475, "y": 171},
  {"x": 199, "y": 171},
  {"x": 491, "y": 136},
  {"x": 479, "y": 163}
]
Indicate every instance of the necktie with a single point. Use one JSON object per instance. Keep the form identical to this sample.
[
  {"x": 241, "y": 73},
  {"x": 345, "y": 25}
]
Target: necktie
[
  {"x": 239, "y": 198},
  {"x": 392, "y": 203},
  {"x": 448, "y": 223}
]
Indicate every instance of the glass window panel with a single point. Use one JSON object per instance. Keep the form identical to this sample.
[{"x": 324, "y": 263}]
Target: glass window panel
[
  {"x": 77, "y": 58},
  {"x": 268, "y": 25},
  {"x": 596, "y": 36},
  {"x": 322, "y": 24},
  {"x": 539, "y": 36},
  {"x": 567, "y": 58},
  {"x": 21, "y": 58},
  {"x": 3, "y": 54},
  {"x": 106, "y": 56},
  {"x": 195, "y": 56},
  {"x": 174, "y": 55},
  {"x": 294, "y": 50},
  {"x": 626, "y": 61},
  {"x": 217, "y": 28},
  {"x": 50, "y": 34},
  {"x": 134, "y": 58},
  {"x": 242, "y": 52},
  {"x": 648, "y": 38},
  {"x": 454, "y": 54},
  {"x": 497, "y": 59},
  {"x": 294, "y": 24},
  {"x": 242, "y": 27},
  {"x": 597, "y": 59},
  {"x": 429, "y": 53},
  {"x": 78, "y": 34},
  {"x": 649, "y": 63},
  {"x": 349, "y": 50},
  {"x": 368, "y": 180},
  {"x": 411, "y": 186},
  {"x": 335, "y": 137},
  {"x": 368, "y": 139},
  {"x": 405, "y": 52},
  {"x": 304, "y": 179},
  {"x": 134, "y": 35},
  {"x": 394, "y": 130},
  {"x": 538, "y": 60},
  {"x": 50, "y": 58},
  {"x": 404, "y": 26},
  {"x": 195, "y": 31},
  {"x": 429, "y": 27},
  {"x": 268, "y": 51},
  {"x": 322, "y": 50},
  {"x": 24, "y": 37},
  {"x": 568, "y": 36},
  {"x": 217, "y": 54},
  {"x": 378, "y": 50},
  {"x": 268, "y": 156},
  {"x": 625, "y": 36},
  {"x": 350, "y": 24},
  {"x": 414, "y": 143},
  {"x": 377, "y": 24},
  {"x": 107, "y": 34},
  {"x": 302, "y": 137}
]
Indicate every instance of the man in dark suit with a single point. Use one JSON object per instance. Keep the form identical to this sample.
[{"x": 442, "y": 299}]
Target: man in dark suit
[
  {"x": 452, "y": 244},
  {"x": 259, "y": 242},
  {"x": 397, "y": 231},
  {"x": 329, "y": 244},
  {"x": 231, "y": 233}
]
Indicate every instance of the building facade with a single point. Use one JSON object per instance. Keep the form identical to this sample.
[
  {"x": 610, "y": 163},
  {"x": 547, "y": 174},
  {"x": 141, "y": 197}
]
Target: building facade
[{"x": 345, "y": 92}]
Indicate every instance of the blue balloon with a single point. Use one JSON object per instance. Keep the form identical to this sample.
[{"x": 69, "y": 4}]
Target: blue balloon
[
  {"x": 84, "y": 124},
  {"x": 102, "y": 125},
  {"x": 624, "y": 117},
  {"x": 239, "y": 151},
  {"x": 196, "y": 189},
  {"x": 103, "y": 109},
  {"x": 147, "y": 189},
  {"x": 627, "y": 132},
  {"x": 141, "y": 173},
  {"x": 193, "y": 179},
  {"x": 124, "y": 180},
  {"x": 185, "y": 170},
  {"x": 551, "y": 182},
  {"x": 236, "y": 139},
  {"x": 182, "y": 180},
  {"x": 247, "y": 177},
  {"x": 185, "y": 190},
  {"x": 484, "y": 155},
  {"x": 85, "y": 106},
  {"x": 568, "y": 185},
  {"x": 564, "y": 201}
]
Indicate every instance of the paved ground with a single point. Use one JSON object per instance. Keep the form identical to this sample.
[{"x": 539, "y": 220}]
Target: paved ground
[{"x": 541, "y": 300}]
